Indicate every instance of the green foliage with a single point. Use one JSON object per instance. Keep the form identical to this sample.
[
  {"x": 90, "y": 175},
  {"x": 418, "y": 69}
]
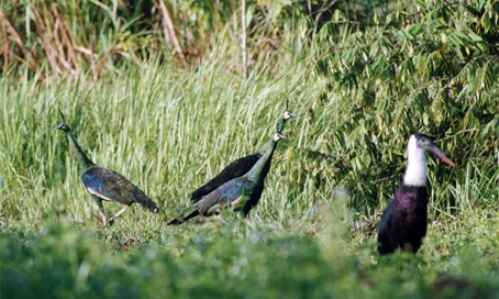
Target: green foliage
[
  {"x": 361, "y": 77},
  {"x": 60, "y": 262},
  {"x": 433, "y": 71},
  {"x": 169, "y": 130}
]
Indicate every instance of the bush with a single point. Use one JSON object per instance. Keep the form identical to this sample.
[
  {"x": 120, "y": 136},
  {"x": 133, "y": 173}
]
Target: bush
[{"x": 61, "y": 263}]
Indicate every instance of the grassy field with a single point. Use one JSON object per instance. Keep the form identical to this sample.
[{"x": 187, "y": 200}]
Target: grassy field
[{"x": 169, "y": 128}]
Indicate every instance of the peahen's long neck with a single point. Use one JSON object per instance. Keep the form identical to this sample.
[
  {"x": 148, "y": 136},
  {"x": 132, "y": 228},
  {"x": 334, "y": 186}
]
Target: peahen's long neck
[
  {"x": 85, "y": 162},
  {"x": 254, "y": 173},
  {"x": 279, "y": 128},
  {"x": 280, "y": 125}
]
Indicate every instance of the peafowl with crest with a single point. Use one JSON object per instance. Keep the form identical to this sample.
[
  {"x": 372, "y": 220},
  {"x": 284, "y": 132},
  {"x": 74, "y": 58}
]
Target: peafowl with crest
[
  {"x": 104, "y": 184},
  {"x": 236, "y": 192},
  {"x": 404, "y": 222},
  {"x": 241, "y": 166}
]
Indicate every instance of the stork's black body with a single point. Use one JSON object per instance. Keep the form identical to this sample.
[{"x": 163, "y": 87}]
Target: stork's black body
[
  {"x": 241, "y": 193},
  {"x": 404, "y": 222},
  {"x": 238, "y": 168},
  {"x": 106, "y": 185}
]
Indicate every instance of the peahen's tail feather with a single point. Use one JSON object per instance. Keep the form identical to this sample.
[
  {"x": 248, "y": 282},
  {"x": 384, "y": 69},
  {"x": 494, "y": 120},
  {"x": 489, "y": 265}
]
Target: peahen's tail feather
[{"x": 178, "y": 221}]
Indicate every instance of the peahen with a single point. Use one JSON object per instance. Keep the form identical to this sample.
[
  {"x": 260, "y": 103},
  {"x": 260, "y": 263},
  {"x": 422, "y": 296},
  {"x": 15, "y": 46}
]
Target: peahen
[
  {"x": 106, "y": 185},
  {"x": 236, "y": 192},
  {"x": 241, "y": 166}
]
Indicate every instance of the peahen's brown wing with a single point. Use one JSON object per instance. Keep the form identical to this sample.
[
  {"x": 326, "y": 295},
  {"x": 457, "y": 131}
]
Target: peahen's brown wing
[
  {"x": 225, "y": 194},
  {"x": 109, "y": 185},
  {"x": 235, "y": 169}
]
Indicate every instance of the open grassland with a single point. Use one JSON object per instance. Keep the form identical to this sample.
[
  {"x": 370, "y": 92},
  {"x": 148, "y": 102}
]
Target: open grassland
[
  {"x": 358, "y": 93},
  {"x": 169, "y": 130}
]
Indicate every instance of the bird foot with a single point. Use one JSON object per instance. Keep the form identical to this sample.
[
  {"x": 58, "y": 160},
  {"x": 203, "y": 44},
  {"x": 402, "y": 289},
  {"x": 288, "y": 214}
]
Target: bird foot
[
  {"x": 104, "y": 221},
  {"x": 248, "y": 221},
  {"x": 100, "y": 220}
]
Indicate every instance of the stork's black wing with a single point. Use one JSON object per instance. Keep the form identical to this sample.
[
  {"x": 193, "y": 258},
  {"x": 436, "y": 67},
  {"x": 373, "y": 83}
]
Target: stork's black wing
[
  {"x": 404, "y": 220},
  {"x": 235, "y": 169},
  {"x": 386, "y": 242}
]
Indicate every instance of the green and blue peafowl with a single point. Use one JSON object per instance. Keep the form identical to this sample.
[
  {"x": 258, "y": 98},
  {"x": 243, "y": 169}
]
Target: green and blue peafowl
[
  {"x": 241, "y": 166},
  {"x": 236, "y": 192},
  {"x": 106, "y": 185}
]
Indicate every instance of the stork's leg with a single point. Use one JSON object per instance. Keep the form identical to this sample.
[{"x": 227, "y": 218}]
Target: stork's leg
[
  {"x": 247, "y": 218},
  {"x": 407, "y": 247},
  {"x": 102, "y": 213},
  {"x": 118, "y": 214}
]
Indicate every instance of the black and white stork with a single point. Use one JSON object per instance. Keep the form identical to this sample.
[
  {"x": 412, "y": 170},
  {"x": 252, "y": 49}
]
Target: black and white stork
[{"x": 404, "y": 222}]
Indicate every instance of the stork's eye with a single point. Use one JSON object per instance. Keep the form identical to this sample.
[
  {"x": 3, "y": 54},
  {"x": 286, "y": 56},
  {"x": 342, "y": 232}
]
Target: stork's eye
[{"x": 425, "y": 142}]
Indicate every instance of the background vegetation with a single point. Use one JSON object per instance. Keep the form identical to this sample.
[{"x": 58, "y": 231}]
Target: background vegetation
[{"x": 362, "y": 76}]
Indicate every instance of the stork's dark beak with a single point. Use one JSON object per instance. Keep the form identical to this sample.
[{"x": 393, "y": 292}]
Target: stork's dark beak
[{"x": 438, "y": 154}]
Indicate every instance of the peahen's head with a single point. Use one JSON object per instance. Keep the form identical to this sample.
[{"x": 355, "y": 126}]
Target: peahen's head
[
  {"x": 63, "y": 127},
  {"x": 151, "y": 206},
  {"x": 278, "y": 136},
  {"x": 287, "y": 115}
]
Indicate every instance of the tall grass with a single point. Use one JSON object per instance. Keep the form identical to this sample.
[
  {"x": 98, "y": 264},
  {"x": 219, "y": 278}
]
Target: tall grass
[{"x": 170, "y": 128}]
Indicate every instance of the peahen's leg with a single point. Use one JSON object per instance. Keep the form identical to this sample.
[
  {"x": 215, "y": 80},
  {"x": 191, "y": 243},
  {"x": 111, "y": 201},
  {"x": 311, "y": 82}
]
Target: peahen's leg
[
  {"x": 118, "y": 214},
  {"x": 102, "y": 213}
]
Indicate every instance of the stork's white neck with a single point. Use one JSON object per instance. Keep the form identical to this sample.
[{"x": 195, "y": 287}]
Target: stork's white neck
[{"x": 416, "y": 171}]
